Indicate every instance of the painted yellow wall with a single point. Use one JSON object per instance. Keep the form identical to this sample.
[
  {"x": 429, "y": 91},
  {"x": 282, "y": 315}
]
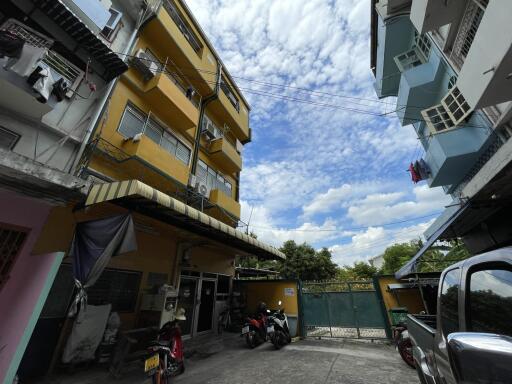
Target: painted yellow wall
[
  {"x": 409, "y": 298},
  {"x": 271, "y": 292}
]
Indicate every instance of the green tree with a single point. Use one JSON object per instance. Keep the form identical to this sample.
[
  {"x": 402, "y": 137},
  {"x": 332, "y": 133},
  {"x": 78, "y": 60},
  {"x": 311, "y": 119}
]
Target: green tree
[
  {"x": 361, "y": 270},
  {"x": 304, "y": 263}
]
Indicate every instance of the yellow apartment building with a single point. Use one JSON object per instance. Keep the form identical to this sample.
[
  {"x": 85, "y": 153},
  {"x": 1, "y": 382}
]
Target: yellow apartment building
[{"x": 167, "y": 149}]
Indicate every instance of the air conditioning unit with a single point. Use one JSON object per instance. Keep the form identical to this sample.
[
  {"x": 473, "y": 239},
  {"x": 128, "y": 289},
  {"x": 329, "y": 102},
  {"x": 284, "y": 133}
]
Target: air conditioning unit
[
  {"x": 145, "y": 65},
  {"x": 209, "y": 129},
  {"x": 200, "y": 186}
]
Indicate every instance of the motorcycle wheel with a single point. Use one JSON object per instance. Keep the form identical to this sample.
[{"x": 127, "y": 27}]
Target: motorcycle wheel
[
  {"x": 405, "y": 350},
  {"x": 159, "y": 377},
  {"x": 250, "y": 340},
  {"x": 277, "y": 340}
]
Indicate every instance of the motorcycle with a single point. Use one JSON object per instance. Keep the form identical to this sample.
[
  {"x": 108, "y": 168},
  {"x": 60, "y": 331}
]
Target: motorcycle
[
  {"x": 255, "y": 328},
  {"x": 403, "y": 344},
  {"x": 278, "y": 329},
  {"x": 166, "y": 353}
]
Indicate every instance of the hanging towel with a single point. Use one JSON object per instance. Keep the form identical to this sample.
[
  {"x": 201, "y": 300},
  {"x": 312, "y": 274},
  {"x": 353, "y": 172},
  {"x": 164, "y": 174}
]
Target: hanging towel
[
  {"x": 28, "y": 60},
  {"x": 414, "y": 175},
  {"x": 43, "y": 86}
]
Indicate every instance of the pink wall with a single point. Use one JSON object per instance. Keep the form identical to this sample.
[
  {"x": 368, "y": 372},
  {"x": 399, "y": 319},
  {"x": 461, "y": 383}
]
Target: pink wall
[{"x": 20, "y": 295}]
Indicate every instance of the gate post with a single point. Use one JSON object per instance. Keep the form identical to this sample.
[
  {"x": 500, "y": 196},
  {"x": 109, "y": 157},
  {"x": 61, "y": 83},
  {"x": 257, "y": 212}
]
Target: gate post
[
  {"x": 302, "y": 323},
  {"x": 355, "y": 309},
  {"x": 376, "y": 286}
]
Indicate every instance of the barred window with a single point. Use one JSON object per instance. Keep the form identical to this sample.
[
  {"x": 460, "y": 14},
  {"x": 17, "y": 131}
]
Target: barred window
[{"x": 11, "y": 242}]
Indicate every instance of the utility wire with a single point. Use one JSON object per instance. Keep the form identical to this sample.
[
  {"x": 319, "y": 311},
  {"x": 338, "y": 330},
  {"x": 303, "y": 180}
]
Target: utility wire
[{"x": 348, "y": 229}]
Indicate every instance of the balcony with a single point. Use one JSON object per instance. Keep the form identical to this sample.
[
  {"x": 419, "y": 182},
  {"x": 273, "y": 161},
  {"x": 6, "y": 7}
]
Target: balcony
[
  {"x": 452, "y": 153},
  {"x": 175, "y": 37},
  {"x": 225, "y": 155},
  {"x": 225, "y": 202},
  {"x": 429, "y": 15},
  {"x": 236, "y": 119},
  {"x": 142, "y": 160},
  {"x": 485, "y": 77},
  {"x": 394, "y": 36},
  {"x": 167, "y": 99},
  {"x": 420, "y": 87}
]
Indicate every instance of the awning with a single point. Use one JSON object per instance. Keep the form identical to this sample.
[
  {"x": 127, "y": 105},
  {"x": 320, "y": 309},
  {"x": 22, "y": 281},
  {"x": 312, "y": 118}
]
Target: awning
[
  {"x": 139, "y": 197},
  {"x": 410, "y": 267},
  {"x": 69, "y": 22}
]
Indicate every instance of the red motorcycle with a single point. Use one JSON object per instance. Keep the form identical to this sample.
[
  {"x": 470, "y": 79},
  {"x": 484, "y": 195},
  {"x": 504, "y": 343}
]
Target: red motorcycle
[
  {"x": 166, "y": 353},
  {"x": 255, "y": 328}
]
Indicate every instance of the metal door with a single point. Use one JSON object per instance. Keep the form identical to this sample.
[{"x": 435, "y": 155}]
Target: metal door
[
  {"x": 206, "y": 306},
  {"x": 187, "y": 301},
  {"x": 342, "y": 309}
]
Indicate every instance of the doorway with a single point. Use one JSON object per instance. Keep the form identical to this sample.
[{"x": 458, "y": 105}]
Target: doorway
[{"x": 197, "y": 295}]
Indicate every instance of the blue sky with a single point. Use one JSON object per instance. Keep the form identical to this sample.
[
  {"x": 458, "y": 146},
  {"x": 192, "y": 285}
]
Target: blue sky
[{"x": 325, "y": 174}]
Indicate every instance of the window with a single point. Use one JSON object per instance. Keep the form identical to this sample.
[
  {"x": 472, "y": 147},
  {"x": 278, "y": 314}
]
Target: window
[
  {"x": 451, "y": 82},
  {"x": 450, "y": 302},
  {"x": 8, "y": 139},
  {"x": 452, "y": 111},
  {"x": 183, "y": 26},
  {"x": 117, "y": 287},
  {"x": 490, "y": 301},
  {"x": 408, "y": 60},
  {"x": 134, "y": 122},
  {"x": 113, "y": 25},
  {"x": 228, "y": 91},
  {"x": 437, "y": 118},
  {"x": 11, "y": 242},
  {"x": 456, "y": 105},
  {"x": 422, "y": 44},
  {"x": 213, "y": 179}
]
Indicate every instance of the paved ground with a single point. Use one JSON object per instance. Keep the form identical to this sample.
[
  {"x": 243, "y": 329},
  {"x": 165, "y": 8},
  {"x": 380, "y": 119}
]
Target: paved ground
[{"x": 305, "y": 361}]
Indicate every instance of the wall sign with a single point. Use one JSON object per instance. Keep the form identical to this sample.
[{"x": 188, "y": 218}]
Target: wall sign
[{"x": 289, "y": 291}]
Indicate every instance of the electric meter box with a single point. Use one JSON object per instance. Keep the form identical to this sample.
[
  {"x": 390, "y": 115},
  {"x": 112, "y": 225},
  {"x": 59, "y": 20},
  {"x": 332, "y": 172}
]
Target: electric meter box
[{"x": 164, "y": 302}]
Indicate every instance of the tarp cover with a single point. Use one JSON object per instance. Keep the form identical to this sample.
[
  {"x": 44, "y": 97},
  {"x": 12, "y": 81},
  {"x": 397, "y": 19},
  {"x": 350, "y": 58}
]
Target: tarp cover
[
  {"x": 86, "y": 334},
  {"x": 95, "y": 242}
]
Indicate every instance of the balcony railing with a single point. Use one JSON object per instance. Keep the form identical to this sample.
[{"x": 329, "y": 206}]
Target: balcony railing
[
  {"x": 60, "y": 66},
  {"x": 467, "y": 30},
  {"x": 182, "y": 25}
]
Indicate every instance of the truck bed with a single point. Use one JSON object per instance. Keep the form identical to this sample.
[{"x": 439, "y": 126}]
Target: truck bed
[{"x": 422, "y": 329}]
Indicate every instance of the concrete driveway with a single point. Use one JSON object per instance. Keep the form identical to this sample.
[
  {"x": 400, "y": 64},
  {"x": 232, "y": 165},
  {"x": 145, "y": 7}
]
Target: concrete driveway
[{"x": 306, "y": 361}]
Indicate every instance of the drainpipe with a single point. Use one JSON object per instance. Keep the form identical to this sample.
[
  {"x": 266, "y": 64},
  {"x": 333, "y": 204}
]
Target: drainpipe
[
  {"x": 91, "y": 128},
  {"x": 204, "y": 103}
]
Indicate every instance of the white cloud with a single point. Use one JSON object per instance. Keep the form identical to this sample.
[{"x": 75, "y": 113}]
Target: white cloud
[
  {"x": 372, "y": 242},
  {"x": 324, "y": 160},
  {"x": 382, "y": 208}
]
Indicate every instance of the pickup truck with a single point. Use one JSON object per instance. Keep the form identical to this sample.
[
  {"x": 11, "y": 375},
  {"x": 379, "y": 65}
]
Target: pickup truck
[{"x": 469, "y": 339}]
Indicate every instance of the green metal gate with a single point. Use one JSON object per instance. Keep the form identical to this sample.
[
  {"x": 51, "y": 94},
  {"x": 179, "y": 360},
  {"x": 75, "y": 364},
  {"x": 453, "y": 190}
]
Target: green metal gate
[{"x": 342, "y": 309}]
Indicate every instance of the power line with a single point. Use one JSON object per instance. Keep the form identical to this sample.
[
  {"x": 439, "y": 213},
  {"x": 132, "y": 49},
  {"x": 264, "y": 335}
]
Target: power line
[{"x": 348, "y": 229}]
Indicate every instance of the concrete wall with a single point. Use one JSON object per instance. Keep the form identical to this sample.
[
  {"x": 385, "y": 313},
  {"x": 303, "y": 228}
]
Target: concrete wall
[{"x": 23, "y": 296}]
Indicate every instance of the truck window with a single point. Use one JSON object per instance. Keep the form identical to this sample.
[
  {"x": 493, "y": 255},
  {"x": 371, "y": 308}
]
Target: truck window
[
  {"x": 449, "y": 302},
  {"x": 490, "y": 301}
]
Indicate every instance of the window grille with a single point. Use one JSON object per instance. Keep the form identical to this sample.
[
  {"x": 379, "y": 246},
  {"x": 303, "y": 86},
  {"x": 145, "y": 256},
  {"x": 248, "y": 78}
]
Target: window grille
[
  {"x": 408, "y": 60},
  {"x": 423, "y": 45},
  {"x": 182, "y": 25},
  {"x": 467, "y": 31},
  {"x": 456, "y": 105},
  {"x": 213, "y": 179},
  {"x": 11, "y": 242}
]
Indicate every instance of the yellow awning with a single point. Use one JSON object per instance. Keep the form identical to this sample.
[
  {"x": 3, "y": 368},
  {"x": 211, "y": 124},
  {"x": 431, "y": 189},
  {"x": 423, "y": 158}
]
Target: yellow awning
[{"x": 134, "y": 194}]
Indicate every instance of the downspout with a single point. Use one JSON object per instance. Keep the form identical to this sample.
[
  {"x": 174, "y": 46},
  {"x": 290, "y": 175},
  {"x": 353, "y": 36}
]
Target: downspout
[
  {"x": 204, "y": 103},
  {"x": 91, "y": 129}
]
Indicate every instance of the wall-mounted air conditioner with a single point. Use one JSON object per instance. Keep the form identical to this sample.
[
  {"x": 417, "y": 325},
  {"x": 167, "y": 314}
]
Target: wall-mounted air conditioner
[
  {"x": 144, "y": 64},
  {"x": 200, "y": 186}
]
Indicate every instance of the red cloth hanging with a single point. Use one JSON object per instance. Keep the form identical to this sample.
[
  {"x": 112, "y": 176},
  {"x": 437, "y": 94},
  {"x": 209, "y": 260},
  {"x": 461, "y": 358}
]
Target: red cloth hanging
[{"x": 414, "y": 175}]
